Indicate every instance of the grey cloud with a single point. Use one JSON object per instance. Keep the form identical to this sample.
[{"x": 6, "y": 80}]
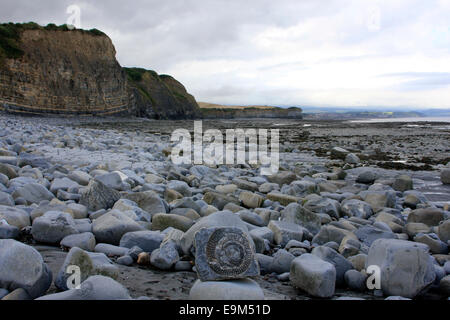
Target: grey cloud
[
  {"x": 421, "y": 80},
  {"x": 163, "y": 34}
]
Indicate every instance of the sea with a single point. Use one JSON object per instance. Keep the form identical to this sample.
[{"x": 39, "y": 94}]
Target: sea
[{"x": 411, "y": 119}]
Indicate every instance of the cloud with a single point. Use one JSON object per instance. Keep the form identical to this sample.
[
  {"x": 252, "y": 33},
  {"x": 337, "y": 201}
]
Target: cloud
[
  {"x": 290, "y": 52},
  {"x": 421, "y": 80}
]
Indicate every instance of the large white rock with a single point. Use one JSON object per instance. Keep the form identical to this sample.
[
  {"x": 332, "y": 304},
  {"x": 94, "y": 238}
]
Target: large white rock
[
  {"x": 243, "y": 289},
  {"x": 406, "y": 267},
  {"x": 313, "y": 275},
  {"x": 22, "y": 266}
]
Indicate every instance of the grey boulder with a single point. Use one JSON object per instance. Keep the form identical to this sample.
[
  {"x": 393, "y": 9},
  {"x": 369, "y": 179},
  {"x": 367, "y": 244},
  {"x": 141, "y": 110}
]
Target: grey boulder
[
  {"x": 52, "y": 227},
  {"x": 355, "y": 280},
  {"x": 284, "y": 231},
  {"x": 146, "y": 240},
  {"x": 110, "y": 227},
  {"x": 89, "y": 264},
  {"x": 368, "y": 234},
  {"x": 295, "y": 213},
  {"x": 6, "y": 199},
  {"x": 148, "y": 201},
  {"x": 313, "y": 275},
  {"x": 22, "y": 266},
  {"x": 445, "y": 176},
  {"x": 367, "y": 176},
  {"x": 97, "y": 196},
  {"x": 356, "y": 208},
  {"x": 341, "y": 264},
  {"x": 165, "y": 257},
  {"x": 281, "y": 262},
  {"x": 33, "y": 193},
  {"x": 15, "y": 216},
  {"x": 85, "y": 241},
  {"x": 406, "y": 267}
]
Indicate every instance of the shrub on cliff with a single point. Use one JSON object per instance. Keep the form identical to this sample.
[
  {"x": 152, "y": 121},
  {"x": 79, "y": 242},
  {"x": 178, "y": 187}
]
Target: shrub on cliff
[{"x": 9, "y": 42}]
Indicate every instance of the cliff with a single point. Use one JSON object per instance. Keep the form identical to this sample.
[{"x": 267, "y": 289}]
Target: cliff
[
  {"x": 56, "y": 70},
  {"x": 159, "y": 96},
  {"x": 213, "y": 111}
]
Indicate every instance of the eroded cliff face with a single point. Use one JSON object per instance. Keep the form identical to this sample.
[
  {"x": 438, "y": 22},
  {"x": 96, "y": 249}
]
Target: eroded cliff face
[
  {"x": 72, "y": 72},
  {"x": 159, "y": 96},
  {"x": 55, "y": 70}
]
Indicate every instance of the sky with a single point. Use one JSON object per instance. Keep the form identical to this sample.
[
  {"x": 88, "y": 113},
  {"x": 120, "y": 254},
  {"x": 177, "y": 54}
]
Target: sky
[{"x": 323, "y": 53}]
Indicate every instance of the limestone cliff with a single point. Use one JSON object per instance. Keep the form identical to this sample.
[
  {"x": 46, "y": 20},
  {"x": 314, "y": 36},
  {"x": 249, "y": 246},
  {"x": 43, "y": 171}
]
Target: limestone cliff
[{"x": 56, "y": 70}]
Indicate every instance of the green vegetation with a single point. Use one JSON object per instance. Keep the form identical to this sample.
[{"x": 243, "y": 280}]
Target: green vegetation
[
  {"x": 97, "y": 32},
  {"x": 10, "y": 36},
  {"x": 137, "y": 80},
  {"x": 135, "y": 74},
  {"x": 165, "y": 76},
  {"x": 179, "y": 96},
  {"x": 145, "y": 94}
]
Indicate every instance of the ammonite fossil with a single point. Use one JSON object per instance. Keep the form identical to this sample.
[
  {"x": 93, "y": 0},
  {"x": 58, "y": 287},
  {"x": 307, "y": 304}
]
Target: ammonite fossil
[
  {"x": 224, "y": 253},
  {"x": 228, "y": 252}
]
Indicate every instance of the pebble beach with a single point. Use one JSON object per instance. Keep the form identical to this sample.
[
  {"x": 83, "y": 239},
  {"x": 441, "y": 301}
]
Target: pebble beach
[{"x": 103, "y": 194}]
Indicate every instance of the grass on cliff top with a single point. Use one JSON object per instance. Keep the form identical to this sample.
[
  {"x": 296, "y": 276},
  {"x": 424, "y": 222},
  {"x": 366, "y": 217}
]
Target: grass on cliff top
[
  {"x": 136, "y": 74},
  {"x": 10, "y": 36},
  {"x": 165, "y": 76}
]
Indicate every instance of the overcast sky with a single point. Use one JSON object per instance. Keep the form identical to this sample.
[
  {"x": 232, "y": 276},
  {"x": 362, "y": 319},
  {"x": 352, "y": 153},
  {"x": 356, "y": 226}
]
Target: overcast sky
[{"x": 294, "y": 52}]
